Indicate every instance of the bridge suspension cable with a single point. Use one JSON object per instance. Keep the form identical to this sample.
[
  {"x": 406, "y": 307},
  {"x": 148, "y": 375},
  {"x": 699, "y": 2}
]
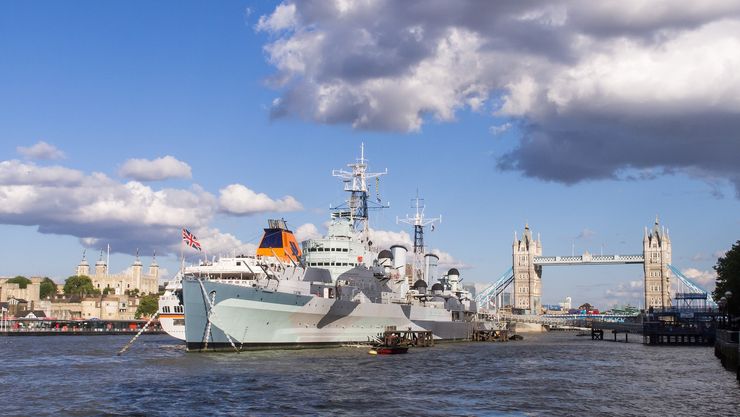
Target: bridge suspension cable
[{"x": 493, "y": 290}]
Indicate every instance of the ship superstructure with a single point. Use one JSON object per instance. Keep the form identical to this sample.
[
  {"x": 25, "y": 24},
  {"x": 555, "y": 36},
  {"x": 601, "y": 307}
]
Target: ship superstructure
[{"x": 347, "y": 243}]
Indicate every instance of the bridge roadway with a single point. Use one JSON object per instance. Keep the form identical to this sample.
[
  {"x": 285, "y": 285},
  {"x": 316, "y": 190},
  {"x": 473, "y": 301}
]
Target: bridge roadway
[{"x": 588, "y": 259}]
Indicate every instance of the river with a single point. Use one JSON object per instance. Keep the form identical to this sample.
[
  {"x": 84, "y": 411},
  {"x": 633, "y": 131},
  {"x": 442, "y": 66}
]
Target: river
[{"x": 544, "y": 375}]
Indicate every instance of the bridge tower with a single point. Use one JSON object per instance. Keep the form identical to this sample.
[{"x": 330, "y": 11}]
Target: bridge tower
[
  {"x": 656, "y": 247},
  {"x": 527, "y": 275}
]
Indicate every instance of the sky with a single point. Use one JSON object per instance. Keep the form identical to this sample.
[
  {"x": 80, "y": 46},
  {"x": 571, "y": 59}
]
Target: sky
[{"x": 123, "y": 122}]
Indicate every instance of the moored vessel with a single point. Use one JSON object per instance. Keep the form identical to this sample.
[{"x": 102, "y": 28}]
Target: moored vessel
[
  {"x": 277, "y": 246},
  {"x": 311, "y": 306}
]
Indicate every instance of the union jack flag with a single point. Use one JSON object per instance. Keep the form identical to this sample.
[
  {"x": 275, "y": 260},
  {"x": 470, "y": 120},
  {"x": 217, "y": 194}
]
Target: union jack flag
[{"x": 190, "y": 239}]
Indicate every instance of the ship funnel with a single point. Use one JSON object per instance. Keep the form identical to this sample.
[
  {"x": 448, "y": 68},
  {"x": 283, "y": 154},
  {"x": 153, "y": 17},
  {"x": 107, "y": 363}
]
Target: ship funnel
[
  {"x": 430, "y": 267},
  {"x": 399, "y": 258},
  {"x": 453, "y": 276},
  {"x": 385, "y": 258}
]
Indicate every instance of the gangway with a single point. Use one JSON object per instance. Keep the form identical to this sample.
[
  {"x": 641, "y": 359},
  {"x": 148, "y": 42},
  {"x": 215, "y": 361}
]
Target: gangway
[{"x": 495, "y": 289}]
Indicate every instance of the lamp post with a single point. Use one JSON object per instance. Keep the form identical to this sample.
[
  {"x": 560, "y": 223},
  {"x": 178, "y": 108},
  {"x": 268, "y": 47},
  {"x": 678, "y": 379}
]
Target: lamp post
[
  {"x": 722, "y": 304},
  {"x": 728, "y": 307}
]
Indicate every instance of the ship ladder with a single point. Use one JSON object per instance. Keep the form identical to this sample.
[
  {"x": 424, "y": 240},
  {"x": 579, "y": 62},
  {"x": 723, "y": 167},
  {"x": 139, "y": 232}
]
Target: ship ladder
[
  {"x": 143, "y": 329},
  {"x": 207, "y": 334}
]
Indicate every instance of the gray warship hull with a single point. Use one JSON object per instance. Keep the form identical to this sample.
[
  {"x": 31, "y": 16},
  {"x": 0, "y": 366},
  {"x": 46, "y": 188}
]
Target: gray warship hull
[{"x": 258, "y": 318}]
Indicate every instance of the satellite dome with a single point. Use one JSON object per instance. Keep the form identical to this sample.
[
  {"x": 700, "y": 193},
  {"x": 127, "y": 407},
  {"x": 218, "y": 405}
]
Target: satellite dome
[
  {"x": 438, "y": 287},
  {"x": 453, "y": 271},
  {"x": 385, "y": 254},
  {"x": 420, "y": 284}
]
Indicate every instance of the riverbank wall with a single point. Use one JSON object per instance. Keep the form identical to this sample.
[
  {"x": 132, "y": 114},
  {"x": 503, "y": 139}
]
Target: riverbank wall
[{"x": 727, "y": 349}]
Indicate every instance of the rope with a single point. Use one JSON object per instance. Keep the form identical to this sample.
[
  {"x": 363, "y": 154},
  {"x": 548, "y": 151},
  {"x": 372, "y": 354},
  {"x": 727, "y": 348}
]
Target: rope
[
  {"x": 211, "y": 313},
  {"x": 143, "y": 329}
]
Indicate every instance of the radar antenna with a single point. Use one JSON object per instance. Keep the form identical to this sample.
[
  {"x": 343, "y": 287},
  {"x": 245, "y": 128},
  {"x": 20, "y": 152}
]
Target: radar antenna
[
  {"x": 419, "y": 222},
  {"x": 356, "y": 207}
]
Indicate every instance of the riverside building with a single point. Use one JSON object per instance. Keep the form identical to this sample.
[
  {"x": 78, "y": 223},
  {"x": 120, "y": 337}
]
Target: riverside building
[{"x": 133, "y": 278}]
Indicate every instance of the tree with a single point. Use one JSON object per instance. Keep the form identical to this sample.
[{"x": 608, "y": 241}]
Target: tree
[
  {"x": 80, "y": 285},
  {"x": 728, "y": 278},
  {"x": 20, "y": 280},
  {"x": 47, "y": 288},
  {"x": 148, "y": 305}
]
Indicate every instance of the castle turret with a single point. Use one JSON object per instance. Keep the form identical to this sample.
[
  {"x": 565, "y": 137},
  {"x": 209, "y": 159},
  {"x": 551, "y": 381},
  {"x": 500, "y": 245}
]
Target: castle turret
[
  {"x": 83, "y": 268},
  {"x": 101, "y": 268},
  {"x": 154, "y": 267},
  {"x": 136, "y": 271}
]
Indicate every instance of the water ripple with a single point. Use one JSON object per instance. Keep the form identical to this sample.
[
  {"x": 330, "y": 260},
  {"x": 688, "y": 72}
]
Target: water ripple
[{"x": 544, "y": 375}]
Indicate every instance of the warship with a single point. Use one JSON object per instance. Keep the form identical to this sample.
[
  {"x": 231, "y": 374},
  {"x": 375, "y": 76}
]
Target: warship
[
  {"x": 234, "y": 270},
  {"x": 343, "y": 290}
]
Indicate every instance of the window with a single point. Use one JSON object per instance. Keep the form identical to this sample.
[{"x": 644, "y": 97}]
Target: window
[{"x": 273, "y": 239}]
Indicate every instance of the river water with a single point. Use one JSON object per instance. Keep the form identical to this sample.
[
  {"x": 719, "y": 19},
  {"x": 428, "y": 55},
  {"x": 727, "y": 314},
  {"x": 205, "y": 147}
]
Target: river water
[{"x": 543, "y": 375}]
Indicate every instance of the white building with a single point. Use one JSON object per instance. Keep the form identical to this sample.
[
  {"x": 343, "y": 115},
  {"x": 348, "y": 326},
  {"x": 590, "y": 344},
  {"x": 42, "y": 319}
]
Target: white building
[{"x": 131, "y": 279}]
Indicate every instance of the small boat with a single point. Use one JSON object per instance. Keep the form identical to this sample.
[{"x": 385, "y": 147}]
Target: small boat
[{"x": 388, "y": 350}]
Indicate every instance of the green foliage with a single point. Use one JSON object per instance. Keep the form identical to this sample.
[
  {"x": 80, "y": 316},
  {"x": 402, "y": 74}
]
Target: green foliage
[
  {"x": 728, "y": 278},
  {"x": 80, "y": 285},
  {"x": 107, "y": 290},
  {"x": 132, "y": 293},
  {"x": 47, "y": 288},
  {"x": 20, "y": 280},
  {"x": 148, "y": 305}
]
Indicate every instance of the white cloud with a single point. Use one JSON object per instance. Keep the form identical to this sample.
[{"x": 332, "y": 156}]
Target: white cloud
[
  {"x": 100, "y": 210},
  {"x": 598, "y": 87},
  {"x": 14, "y": 172},
  {"x": 239, "y": 200},
  {"x": 500, "y": 129},
  {"x": 307, "y": 231},
  {"x": 155, "y": 170},
  {"x": 631, "y": 292},
  {"x": 705, "y": 279},
  {"x": 446, "y": 261},
  {"x": 215, "y": 242},
  {"x": 40, "y": 150},
  {"x": 586, "y": 234},
  {"x": 700, "y": 256},
  {"x": 284, "y": 17},
  {"x": 384, "y": 239}
]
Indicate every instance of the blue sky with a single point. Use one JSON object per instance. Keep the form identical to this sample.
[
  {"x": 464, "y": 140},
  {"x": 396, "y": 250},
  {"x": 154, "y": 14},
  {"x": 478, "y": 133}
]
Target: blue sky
[{"x": 243, "y": 93}]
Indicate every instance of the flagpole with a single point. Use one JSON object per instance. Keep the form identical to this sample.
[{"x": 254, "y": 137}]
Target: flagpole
[{"x": 182, "y": 256}]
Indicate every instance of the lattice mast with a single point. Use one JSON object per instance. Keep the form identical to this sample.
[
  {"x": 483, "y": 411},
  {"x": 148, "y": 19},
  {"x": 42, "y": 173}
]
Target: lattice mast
[
  {"x": 419, "y": 222},
  {"x": 357, "y": 206}
]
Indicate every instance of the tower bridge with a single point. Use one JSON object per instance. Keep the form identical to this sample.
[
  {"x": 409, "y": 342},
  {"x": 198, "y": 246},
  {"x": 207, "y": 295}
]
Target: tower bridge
[{"x": 525, "y": 276}]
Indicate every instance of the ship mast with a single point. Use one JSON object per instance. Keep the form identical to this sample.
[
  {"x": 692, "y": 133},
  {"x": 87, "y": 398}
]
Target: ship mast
[
  {"x": 419, "y": 222},
  {"x": 355, "y": 182}
]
